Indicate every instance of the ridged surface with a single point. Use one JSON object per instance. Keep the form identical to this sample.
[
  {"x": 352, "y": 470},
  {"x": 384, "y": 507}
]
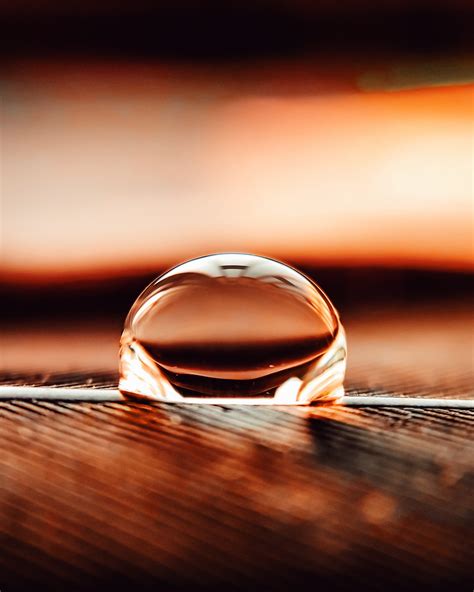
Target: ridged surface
[{"x": 170, "y": 497}]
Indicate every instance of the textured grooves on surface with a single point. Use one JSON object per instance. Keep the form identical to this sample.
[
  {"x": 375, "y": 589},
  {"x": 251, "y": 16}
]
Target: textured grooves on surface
[
  {"x": 456, "y": 385},
  {"x": 211, "y": 497}
]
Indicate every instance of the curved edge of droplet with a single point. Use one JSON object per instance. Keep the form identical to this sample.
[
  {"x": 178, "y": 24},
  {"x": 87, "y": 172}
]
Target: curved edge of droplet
[
  {"x": 324, "y": 381},
  {"x": 140, "y": 377}
]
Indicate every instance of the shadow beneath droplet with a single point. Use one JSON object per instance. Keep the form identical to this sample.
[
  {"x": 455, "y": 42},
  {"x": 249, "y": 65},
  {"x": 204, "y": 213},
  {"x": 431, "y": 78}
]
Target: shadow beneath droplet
[{"x": 364, "y": 444}]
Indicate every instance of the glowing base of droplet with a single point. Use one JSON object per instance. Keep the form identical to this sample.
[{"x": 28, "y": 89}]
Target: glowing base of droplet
[
  {"x": 141, "y": 378},
  {"x": 335, "y": 397}
]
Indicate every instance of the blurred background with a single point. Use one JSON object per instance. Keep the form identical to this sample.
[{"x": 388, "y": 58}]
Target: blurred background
[{"x": 334, "y": 136}]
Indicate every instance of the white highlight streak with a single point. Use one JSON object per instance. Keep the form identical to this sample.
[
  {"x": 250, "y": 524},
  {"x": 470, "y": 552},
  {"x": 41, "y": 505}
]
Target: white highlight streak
[{"x": 97, "y": 395}]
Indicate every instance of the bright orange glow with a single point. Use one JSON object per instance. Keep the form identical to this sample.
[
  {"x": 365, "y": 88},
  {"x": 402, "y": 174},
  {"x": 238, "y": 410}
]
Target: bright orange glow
[{"x": 110, "y": 169}]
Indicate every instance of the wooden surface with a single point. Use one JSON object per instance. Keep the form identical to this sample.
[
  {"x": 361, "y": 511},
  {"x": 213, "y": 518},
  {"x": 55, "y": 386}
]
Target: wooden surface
[{"x": 175, "y": 497}]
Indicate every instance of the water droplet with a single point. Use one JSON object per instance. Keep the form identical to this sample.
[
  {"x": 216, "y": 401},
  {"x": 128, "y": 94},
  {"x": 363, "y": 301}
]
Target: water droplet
[{"x": 233, "y": 328}]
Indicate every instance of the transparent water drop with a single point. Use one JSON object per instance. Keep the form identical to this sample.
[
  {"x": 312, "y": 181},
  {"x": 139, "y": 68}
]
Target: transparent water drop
[{"x": 233, "y": 328}]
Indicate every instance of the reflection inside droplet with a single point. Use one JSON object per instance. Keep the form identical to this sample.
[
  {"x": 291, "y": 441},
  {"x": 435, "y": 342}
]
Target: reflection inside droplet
[{"x": 233, "y": 328}]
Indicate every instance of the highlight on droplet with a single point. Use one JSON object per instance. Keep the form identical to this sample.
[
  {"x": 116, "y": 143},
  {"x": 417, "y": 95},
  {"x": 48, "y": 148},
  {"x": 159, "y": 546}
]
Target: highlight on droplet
[{"x": 233, "y": 328}]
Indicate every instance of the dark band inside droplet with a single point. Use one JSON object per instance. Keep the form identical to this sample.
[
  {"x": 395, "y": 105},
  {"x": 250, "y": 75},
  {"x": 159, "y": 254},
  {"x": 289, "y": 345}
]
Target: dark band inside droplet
[
  {"x": 237, "y": 356},
  {"x": 199, "y": 386}
]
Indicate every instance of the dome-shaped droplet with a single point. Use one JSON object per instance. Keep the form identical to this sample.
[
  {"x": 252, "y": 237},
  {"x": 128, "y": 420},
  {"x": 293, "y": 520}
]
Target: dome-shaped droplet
[{"x": 233, "y": 328}]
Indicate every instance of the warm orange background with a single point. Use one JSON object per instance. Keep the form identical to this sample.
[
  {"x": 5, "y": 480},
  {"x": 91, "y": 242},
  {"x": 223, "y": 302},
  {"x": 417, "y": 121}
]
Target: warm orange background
[{"x": 107, "y": 167}]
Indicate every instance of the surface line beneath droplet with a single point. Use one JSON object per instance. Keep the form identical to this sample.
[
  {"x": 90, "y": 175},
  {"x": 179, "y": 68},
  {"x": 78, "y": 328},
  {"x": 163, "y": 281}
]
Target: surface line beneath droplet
[{"x": 97, "y": 395}]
